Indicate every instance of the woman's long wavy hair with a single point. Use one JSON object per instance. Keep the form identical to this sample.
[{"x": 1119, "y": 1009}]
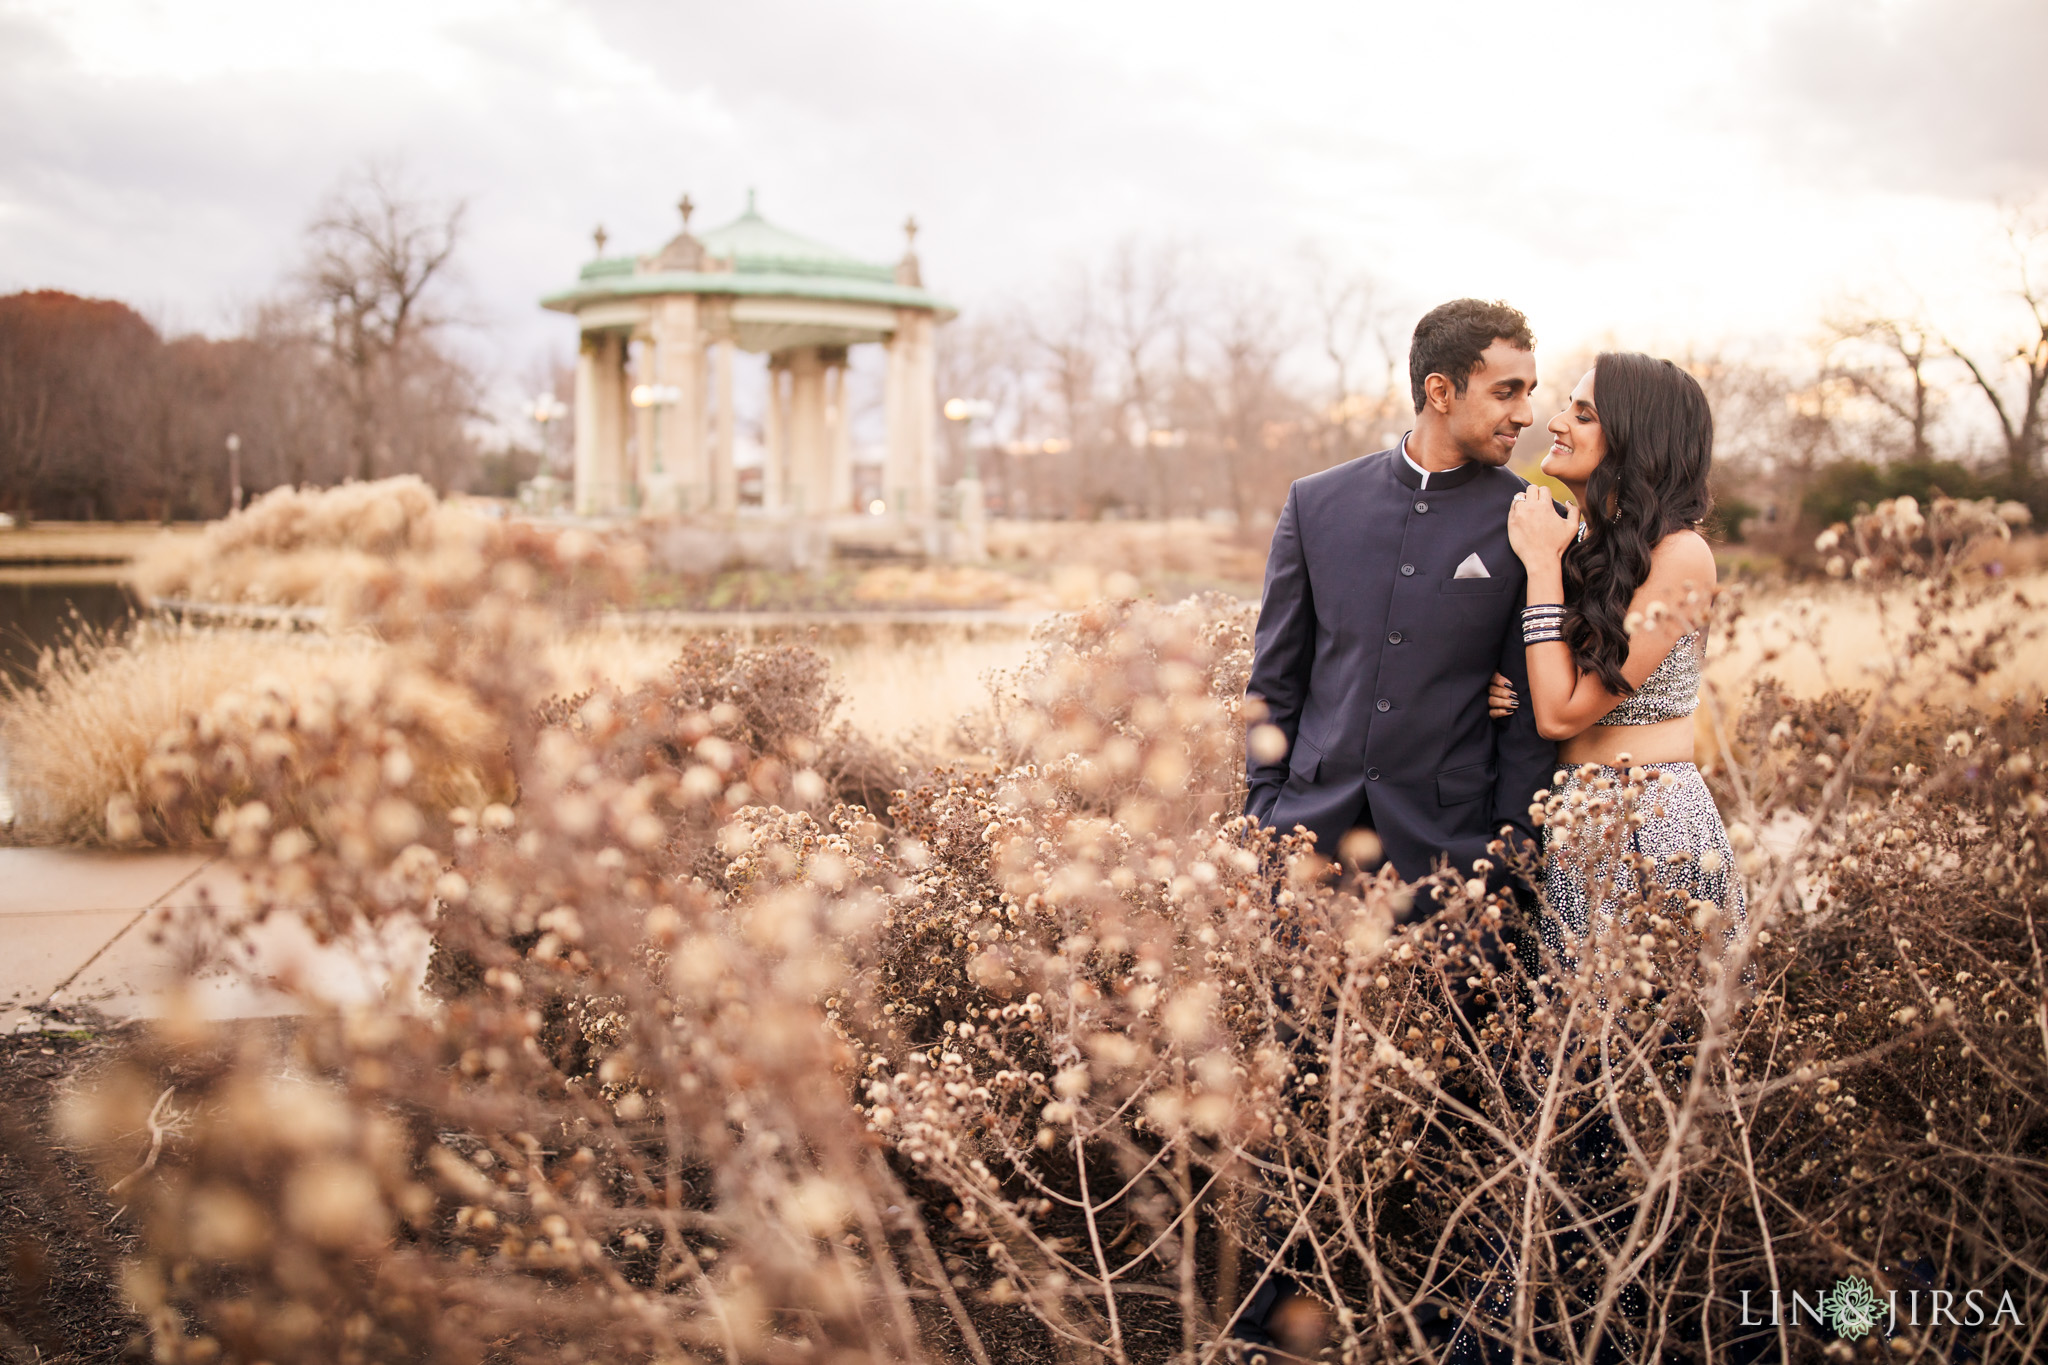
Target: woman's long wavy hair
[{"x": 1653, "y": 481}]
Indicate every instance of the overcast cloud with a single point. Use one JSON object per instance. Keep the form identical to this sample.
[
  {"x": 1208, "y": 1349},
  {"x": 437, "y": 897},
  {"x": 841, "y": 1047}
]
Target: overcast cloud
[
  {"x": 1617, "y": 169},
  {"x": 1930, "y": 95}
]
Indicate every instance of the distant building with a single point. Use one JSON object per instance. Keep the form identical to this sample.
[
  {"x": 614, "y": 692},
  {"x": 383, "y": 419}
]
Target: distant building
[{"x": 657, "y": 355}]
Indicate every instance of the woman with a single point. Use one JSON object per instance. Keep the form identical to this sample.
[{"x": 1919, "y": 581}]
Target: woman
[{"x": 1615, "y": 631}]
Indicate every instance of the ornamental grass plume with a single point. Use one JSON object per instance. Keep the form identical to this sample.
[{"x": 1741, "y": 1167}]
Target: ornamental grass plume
[
  {"x": 293, "y": 546},
  {"x": 1051, "y": 1055},
  {"x": 82, "y": 735}
]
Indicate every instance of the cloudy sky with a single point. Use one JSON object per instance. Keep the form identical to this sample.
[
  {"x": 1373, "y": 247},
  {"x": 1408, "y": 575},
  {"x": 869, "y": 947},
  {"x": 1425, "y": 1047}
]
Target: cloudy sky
[{"x": 1650, "y": 173}]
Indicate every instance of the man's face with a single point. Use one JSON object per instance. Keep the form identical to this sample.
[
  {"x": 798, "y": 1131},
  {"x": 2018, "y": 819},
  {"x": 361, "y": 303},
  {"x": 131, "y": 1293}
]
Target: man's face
[{"x": 1488, "y": 418}]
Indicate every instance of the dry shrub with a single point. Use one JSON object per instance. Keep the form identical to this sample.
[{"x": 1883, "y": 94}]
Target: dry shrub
[
  {"x": 158, "y": 737},
  {"x": 82, "y": 734},
  {"x": 1058, "y": 1059},
  {"x": 290, "y": 545},
  {"x": 733, "y": 721},
  {"x": 342, "y": 549},
  {"x": 1126, "y": 699},
  {"x": 623, "y": 1135}
]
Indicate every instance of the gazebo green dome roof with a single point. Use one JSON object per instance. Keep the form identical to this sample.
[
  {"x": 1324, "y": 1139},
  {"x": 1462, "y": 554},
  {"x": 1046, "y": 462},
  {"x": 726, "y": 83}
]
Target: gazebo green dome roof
[
  {"x": 752, "y": 257},
  {"x": 755, "y": 246}
]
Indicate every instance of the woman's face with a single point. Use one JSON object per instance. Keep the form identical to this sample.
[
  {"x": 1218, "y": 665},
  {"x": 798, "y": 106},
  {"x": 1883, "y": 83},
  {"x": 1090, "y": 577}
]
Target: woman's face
[{"x": 1577, "y": 442}]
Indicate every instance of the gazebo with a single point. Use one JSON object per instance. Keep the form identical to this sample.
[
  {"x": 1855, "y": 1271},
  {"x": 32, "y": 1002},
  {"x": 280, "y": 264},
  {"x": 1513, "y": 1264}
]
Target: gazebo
[{"x": 656, "y": 362}]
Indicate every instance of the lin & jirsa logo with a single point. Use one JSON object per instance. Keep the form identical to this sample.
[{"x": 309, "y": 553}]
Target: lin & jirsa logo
[{"x": 1852, "y": 1309}]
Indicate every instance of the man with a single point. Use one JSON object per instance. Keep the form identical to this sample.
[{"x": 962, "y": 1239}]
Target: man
[{"x": 1391, "y": 599}]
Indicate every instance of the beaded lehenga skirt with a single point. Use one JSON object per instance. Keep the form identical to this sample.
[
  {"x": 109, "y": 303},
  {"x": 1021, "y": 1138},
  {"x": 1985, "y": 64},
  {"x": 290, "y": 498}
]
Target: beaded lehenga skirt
[{"x": 1659, "y": 836}]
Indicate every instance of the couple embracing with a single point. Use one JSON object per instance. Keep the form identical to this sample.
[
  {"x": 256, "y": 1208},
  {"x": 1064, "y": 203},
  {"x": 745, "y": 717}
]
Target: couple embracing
[{"x": 1438, "y": 638}]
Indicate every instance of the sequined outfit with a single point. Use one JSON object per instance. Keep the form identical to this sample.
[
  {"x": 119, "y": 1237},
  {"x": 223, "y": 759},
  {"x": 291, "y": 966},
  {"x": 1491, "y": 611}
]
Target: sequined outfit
[
  {"x": 1591, "y": 859},
  {"x": 1589, "y": 846},
  {"x": 1681, "y": 831},
  {"x": 1672, "y": 692}
]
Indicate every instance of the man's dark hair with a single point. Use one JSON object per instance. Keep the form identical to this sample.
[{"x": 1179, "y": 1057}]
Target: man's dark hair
[{"x": 1452, "y": 336}]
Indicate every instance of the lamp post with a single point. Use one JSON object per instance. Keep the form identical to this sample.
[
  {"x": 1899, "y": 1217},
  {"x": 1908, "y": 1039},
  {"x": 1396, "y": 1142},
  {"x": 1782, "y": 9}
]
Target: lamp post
[
  {"x": 973, "y": 509},
  {"x": 544, "y": 409},
  {"x": 967, "y": 411},
  {"x": 234, "y": 472}
]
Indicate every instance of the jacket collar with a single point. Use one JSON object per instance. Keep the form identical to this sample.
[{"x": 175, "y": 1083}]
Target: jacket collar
[{"x": 1438, "y": 479}]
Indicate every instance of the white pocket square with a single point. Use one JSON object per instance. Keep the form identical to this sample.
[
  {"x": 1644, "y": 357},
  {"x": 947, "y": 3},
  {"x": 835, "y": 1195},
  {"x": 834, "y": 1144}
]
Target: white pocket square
[{"x": 1471, "y": 568}]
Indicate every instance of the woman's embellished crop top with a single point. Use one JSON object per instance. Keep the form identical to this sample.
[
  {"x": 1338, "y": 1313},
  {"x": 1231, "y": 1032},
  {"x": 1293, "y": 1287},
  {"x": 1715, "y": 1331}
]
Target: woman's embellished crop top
[{"x": 1670, "y": 692}]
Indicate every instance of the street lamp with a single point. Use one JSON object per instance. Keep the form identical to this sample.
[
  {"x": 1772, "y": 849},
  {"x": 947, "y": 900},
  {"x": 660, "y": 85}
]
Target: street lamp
[
  {"x": 234, "y": 472},
  {"x": 967, "y": 411},
  {"x": 973, "y": 509},
  {"x": 546, "y": 408}
]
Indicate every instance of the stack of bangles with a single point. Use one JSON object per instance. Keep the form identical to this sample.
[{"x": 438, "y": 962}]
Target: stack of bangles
[{"x": 1542, "y": 623}]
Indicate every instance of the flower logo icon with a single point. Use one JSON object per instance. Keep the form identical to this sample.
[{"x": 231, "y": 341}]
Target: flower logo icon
[{"x": 1851, "y": 1307}]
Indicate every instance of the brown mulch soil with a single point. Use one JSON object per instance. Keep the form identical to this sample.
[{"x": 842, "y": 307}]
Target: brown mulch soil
[{"x": 61, "y": 1239}]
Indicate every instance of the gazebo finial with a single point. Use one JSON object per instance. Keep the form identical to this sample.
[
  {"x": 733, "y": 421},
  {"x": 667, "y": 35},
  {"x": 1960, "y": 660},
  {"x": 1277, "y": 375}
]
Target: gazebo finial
[
  {"x": 907, "y": 271},
  {"x": 750, "y": 203},
  {"x": 600, "y": 236},
  {"x": 686, "y": 208}
]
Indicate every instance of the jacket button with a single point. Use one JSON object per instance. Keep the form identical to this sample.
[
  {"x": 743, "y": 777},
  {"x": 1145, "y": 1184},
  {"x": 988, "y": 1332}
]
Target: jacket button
[
  {"x": 1422, "y": 507},
  {"x": 1407, "y": 571},
  {"x": 1386, "y": 705},
  {"x": 1372, "y": 774},
  {"x": 1393, "y": 637}
]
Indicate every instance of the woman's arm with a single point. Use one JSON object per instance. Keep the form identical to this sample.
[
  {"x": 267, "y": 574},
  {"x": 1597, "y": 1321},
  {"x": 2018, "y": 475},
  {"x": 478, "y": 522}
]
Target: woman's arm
[{"x": 1565, "y": 701}]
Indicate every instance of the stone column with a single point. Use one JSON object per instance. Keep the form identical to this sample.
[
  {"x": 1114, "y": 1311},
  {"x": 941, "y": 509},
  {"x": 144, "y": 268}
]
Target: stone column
[
  {"x": 839, "y": 409},
  {"x": 895, "y": 494},
  {"x": 913, "y": 400},
  {"x": 633, "y": 494},
  {"x": 600, "y": 424},
  {"x": 620, "y": 406},
  {"x": 587, "y": 422},
  {"x": 725, "y": 478},
  {"x": 774, "y": 422},
  {"x": 809, "y": 445},
  {"x": 678, "y": 481}
]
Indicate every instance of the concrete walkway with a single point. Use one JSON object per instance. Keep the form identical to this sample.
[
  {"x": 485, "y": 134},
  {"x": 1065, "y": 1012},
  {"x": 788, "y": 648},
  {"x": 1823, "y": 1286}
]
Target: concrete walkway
[{"x": 123, "y": 932}]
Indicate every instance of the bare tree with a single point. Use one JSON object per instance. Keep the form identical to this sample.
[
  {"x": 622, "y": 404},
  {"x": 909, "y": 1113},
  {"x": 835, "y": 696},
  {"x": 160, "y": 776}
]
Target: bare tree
[
  {"x": 1357, "y": 324},
  {"x": 377, "y": 262},
  {"x": 1142, "y": 289},
  {"x": 1067, "y": 338},
  {"x": 1239, "y": 399},
  {"x": 2022, "y": 419},
  {"x": 1886, "y": 359}
]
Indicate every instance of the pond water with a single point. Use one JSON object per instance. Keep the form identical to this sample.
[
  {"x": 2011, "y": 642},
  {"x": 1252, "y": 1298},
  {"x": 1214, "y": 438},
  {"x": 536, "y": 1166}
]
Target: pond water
[{"x": 36, "y": 612}]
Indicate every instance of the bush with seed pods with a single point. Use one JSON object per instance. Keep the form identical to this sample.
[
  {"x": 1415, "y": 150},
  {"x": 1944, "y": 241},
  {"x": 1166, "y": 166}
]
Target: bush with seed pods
[{"x": 1048, "y": 1053}]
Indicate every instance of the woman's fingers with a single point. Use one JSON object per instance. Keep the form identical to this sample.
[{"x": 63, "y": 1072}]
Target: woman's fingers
[
  {"x": 1501, "y": 700},
  {"x": 1535, "y": 531}
]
